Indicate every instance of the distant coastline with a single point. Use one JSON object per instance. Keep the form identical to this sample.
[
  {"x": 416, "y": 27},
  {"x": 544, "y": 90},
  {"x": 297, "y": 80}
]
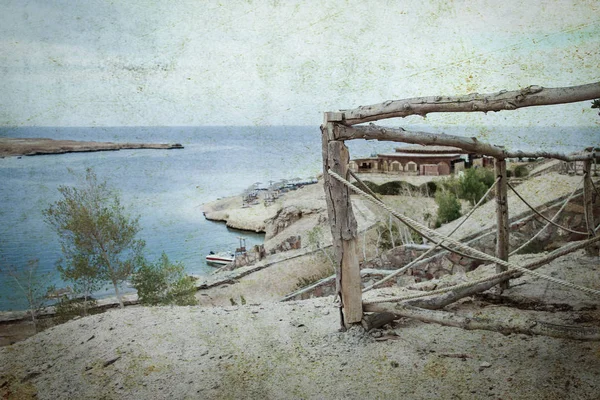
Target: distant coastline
[{"x": 10, "y": 147}]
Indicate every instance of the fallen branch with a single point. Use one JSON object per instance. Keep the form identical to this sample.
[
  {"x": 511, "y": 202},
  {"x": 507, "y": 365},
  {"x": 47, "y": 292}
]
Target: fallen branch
[
  {"x": 377, "y": 320},
  {"x": 513, "y": 325}
]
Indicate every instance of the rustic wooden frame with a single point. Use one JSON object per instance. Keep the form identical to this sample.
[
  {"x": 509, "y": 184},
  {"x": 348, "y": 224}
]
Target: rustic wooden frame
[{"x": 340, "y": 126}]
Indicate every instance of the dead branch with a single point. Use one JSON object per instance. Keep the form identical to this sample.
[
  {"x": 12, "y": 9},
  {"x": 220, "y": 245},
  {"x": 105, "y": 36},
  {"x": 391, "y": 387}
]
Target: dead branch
[
  {"x": 503, "y": 100},
  {"x": 516, "y": 324}
]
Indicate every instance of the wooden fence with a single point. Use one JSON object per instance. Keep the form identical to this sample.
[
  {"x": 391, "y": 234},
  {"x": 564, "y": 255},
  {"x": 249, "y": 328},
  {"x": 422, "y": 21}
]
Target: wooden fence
[{"x": 341, "y": 126}]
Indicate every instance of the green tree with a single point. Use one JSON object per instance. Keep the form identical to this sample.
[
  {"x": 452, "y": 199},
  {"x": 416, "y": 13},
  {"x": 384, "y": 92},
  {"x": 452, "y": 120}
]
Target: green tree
[
  {"x": 81, "y": 271},
  {"x": 164, "y": 283},
  {"x": 448, "y": 207},
  {"x": 471, "y": 185},
  {"x": 31, "y": 284},
  {"x": 97, "y": 236}
]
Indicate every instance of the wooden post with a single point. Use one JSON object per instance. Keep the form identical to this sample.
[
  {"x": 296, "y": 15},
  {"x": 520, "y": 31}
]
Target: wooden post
[
  {"x": 342, "y": 223},
  {"x": 588, "y": 206},
  {"x": 502, "y": 226}
]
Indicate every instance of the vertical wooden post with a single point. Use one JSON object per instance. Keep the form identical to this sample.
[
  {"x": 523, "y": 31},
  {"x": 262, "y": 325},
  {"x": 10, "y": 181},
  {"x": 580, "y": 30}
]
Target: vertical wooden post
[
  {"x": 502, "y": 227},
  {"x": 342, "y": 223},
  {"x": 588, "y": 206}
]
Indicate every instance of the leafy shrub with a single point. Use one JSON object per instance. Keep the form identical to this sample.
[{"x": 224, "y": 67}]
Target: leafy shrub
[
  {"x": 428, "y": 189},
  {"x": 448, "y": 207},
  {"x": 67, "y": 308},
  {"x": 164, "y": 283},
  {"x": 473, "y": 184},
  {"x": 391, "y": 188},
  {"x": 520, "y": 171},
  {"x": 471, "y": 188}
]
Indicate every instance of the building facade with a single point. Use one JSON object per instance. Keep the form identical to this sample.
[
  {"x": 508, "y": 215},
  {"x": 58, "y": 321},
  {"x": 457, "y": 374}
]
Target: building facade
[{"x": 412, "y": 160}]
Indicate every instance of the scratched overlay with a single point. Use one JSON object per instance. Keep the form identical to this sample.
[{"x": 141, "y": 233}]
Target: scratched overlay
[{"x": 263, "y": 72}]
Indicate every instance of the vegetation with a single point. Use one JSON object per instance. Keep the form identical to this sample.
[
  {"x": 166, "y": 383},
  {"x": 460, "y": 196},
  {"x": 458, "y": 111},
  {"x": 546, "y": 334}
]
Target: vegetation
[
  {"x": 473, "y": 184},
  {"x": 402, "y": 188},
  {"x": 98, "y": 238},
  {"x": 448, "y": 207},
  {"x": 163, "y": 283},
  {"x": 31, "y": 284},
  {"x": 68, "y": 308},
  {"x": 85, "y": 278},
  {"x": 520, "y": 171}
]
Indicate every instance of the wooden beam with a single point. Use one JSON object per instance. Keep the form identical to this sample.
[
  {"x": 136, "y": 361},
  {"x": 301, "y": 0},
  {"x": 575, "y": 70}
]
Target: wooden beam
[
  {"x": 503, "y": 100},
  {"x": 502, "y": 225},
  {"x": 469, "y": 144},
  {"x": 343, "y": 227},
  {"x": 588, "y": 205},
  {"x": 518, "y": 323}
]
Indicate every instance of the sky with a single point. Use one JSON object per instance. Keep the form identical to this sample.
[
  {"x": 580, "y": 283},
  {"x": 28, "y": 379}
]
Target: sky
[{"x": 204, "y": 62}]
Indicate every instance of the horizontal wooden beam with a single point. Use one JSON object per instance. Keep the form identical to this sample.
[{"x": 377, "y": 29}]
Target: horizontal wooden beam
[
  {"x": 503, "y": 100},
  {"x": 469, "y": 144}
]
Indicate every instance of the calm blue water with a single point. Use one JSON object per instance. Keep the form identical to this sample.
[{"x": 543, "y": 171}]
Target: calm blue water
[{"x": 167, "y": 187}]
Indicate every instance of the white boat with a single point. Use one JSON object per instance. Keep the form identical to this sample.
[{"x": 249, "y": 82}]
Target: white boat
[{"x": 220, "y": 258}]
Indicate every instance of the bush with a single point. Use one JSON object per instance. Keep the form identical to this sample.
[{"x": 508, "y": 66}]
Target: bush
[
  {"x": 391, "y": 188},
  {"x": 473, "y": 184},
  {"x": 448, "y": 207},
  {"x": 67, "y": 308},
  {"x": 520, "y": 171},
  {"x": 164, "y": 283}
]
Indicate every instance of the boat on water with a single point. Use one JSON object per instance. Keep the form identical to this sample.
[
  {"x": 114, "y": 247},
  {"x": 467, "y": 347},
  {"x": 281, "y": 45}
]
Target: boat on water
[
  {"x": 226, "y": 257},
  {"x": 221, "y": 258}
]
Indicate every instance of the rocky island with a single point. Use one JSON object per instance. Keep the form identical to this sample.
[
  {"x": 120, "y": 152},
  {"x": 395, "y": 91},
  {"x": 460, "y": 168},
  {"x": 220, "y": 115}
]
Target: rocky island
[{"x": 38, "y": 146}]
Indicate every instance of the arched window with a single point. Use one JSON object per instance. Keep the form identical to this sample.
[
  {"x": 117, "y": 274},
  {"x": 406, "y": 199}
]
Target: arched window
[{"x": 411, "y": 166}]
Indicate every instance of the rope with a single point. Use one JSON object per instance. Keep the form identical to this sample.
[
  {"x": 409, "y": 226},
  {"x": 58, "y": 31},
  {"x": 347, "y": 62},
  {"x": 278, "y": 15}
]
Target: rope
[
  {"x": 368, "y": 189},
  {"x": 548, "y": 224},
  {"x": 541, "y": 215},
  {"x": 565, "y": 250},
  {"x": 595, "y": 188},
  {"x": 412, "y": 263},
  {"x": 421, "y": 228}
]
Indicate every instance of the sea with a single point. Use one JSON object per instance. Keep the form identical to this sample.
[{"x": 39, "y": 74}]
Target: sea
[{"x": 167, "y": 188}]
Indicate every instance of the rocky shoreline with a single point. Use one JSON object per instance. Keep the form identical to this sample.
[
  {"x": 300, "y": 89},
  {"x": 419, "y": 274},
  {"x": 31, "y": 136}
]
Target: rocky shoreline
[{"x": 11, "y": 147}]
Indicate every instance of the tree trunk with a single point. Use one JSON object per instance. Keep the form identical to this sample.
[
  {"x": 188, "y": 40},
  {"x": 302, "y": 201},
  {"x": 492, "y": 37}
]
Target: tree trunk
[{"x": 116, "y": 286}]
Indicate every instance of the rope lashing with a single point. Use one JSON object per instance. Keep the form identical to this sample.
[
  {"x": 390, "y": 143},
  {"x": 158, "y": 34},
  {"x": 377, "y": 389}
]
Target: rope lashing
[
  {"x": 412, "y": 263},
  {"x": 548, "y": 224},
  {"x": 429, "y": 232},
  {"x": 541, "y": 215}
]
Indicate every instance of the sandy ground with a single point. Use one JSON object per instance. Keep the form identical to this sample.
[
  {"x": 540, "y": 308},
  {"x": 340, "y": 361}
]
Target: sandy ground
[
  {"x": 294, "y": 350},
  {"x": 268, "y": 349}
]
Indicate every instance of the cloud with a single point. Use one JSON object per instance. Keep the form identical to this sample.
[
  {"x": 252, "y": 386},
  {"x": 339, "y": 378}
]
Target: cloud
[{"x": 261, "y": 62}]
